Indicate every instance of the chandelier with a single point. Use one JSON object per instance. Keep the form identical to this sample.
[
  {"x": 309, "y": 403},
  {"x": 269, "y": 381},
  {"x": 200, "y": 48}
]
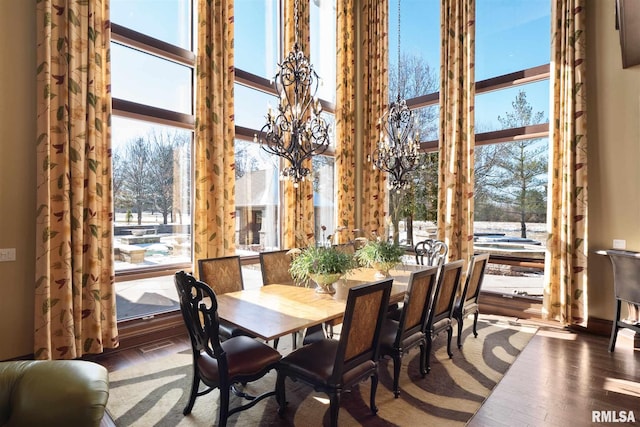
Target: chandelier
[
  {"x": 295, "y": 132},
  {"x": 398, "y": 147}
]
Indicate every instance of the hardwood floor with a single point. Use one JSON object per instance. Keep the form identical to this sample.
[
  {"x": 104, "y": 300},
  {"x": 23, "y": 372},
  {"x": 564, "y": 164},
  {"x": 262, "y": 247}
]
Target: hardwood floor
[
  {"x": 561, "y": 377},
  {"x": 558, "y": 379}
]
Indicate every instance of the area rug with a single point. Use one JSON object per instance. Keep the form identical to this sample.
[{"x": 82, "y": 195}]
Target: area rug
[{"x": 155, "y": 393}]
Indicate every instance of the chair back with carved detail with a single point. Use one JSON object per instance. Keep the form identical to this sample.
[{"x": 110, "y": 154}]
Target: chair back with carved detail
[
  {"x": 431, "y": 252},
  {"x": 219, "y": 364}
]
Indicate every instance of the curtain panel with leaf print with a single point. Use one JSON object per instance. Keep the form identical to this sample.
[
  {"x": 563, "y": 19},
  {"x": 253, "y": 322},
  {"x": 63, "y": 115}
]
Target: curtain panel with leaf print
[
  {"x": 346, "y": 114},
  {"x": 298, "y": 218},
  {"x": 375, "y": 98},
  {"x": 75, "y": 301},
  {"x": 214, "y": 185},
  {"x": 455, "y": 198},
  {"x": 565, "y": 296}
]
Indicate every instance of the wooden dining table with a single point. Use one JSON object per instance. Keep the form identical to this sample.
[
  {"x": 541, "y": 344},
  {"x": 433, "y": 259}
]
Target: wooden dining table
[{"x": 275, "y": 310}]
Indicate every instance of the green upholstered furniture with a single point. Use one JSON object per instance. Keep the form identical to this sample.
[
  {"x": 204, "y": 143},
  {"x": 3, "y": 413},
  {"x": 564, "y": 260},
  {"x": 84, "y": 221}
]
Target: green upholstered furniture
[{"x": 52, "y": 393}]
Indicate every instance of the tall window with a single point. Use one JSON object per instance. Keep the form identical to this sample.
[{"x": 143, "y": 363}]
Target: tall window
[
  {"x": 152, "y": 56},
  {"x": 416, "y": 79},
  {"x": 511, "y": 113},
  {"x": 512, "y": 116},
  {"x": 258, "y": 49}
]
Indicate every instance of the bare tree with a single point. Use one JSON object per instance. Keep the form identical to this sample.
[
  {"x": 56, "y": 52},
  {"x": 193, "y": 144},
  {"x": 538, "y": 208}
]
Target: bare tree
[
  {"x": 162, "y": 167},
  {"x": 135, "y": 174}
]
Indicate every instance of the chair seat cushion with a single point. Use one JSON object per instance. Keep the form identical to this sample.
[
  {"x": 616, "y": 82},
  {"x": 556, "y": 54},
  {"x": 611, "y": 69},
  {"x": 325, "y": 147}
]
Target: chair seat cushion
[
  {"x": 315, "y": 362},
  {"x": 469, "y": 308},
  {"x": 246, "y": 357},
  {"x": 228, "y": 330},
  {"x": 389, "y": 334},
  {"x": 441, "y": 326}
]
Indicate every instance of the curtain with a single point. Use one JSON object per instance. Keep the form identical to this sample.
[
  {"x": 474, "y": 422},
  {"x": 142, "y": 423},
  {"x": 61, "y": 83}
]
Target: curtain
[
  {"x": 566, "y": 260},
  {"x": 298, "y": 218},
  {"x": 346, "y": 115},
  {"x": 375, "y": 90},
  {"x": 457, "y": 91},
  {"x": 75, "y": 301},
  {"x": 214, "y": 185}
]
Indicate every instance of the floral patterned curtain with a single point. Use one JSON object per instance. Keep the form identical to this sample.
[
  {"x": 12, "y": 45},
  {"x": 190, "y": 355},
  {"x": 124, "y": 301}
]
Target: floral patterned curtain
[
  {"x": 375, "y": 98},
  {"x": 566, "y": 260},
  {"x": 75, "y": 301},
  {"x": 298, "y": 218},
  {"x": 457, "y": 91},
  {"x": 214, "y": 185},
  {"x": 346, "y": 114}
]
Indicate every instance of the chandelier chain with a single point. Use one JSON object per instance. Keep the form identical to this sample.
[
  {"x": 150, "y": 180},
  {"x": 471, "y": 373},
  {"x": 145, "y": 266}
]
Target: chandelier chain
[
  {"x": 398, "y": 50},
  {"x": 295, "y": 21}
]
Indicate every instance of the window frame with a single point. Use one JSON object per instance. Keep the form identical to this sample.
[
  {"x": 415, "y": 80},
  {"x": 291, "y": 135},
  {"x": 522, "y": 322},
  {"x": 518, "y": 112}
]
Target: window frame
[{"x": 129, "y": 38}]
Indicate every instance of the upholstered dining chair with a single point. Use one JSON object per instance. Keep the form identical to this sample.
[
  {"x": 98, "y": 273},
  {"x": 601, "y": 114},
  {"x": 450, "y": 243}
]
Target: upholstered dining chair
[
  {"x": 626, "y": 287},
  {"x": 400, "y": 336},
  {"x": 441, "y": 314},
  {"x": 467, "y": 303},
  {"x": 219, "y": 364},
  {"x": 431, "y": 252},
  {"x": 334, "y": 366},
  {"x": 348, "y": 247},
  {"x": 223, "y": 275},
  {"x": 274, "y": 266}
]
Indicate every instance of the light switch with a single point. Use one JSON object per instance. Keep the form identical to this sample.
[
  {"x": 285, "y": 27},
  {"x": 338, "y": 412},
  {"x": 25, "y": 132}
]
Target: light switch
[
  {"x": 619, "y": 244},
  {"x": 8, "y": 254}
]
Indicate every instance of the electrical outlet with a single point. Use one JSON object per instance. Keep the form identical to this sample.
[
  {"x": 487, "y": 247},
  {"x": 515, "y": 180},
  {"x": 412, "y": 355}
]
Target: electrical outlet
[
  {"x": 8, "y": 254},
  {"x": 619, "y": 244}
]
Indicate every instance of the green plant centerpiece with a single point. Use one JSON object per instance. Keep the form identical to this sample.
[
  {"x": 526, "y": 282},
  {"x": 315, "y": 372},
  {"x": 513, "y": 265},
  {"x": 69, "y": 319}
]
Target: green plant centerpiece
[
  {"x": 324, "y": 265},
  {"x": 381, "y": 255}
]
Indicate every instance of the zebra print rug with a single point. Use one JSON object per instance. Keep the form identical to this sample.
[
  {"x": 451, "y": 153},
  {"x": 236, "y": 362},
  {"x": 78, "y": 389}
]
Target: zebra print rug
[{"x": 155, "y": 393}]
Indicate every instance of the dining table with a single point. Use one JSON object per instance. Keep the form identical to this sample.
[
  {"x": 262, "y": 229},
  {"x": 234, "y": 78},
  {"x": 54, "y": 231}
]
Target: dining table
[{"x": 276, "y": 310}]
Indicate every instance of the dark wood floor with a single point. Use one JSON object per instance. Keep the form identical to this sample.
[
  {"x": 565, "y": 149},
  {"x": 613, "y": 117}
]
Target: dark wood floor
[
  {"x": 558, "y": 379},
  {"x": 561, "y": 377}
]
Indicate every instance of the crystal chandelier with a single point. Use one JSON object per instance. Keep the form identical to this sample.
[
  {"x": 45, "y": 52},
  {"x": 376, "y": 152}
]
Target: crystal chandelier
[
  {"x": 398, "y": 147},
  {"x": 295, "y": 132}
]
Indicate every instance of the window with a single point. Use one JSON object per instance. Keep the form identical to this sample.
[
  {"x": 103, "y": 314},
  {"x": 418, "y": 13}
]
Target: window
[
  {"x": 511, "y": 112},
  {"x": 258, "y": 27},
  {"x": 152, "y": 55},
  {"x": 512, "y": 115}
]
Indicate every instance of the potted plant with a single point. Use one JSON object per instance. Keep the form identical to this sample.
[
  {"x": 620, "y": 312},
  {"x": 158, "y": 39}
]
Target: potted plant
[
  {"x": 381, "y": 255},
  {"x": 322, "y": 264}
]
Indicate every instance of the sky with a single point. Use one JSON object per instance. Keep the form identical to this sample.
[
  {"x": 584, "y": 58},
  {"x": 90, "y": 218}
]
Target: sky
[{"x": 510, "y": 35}]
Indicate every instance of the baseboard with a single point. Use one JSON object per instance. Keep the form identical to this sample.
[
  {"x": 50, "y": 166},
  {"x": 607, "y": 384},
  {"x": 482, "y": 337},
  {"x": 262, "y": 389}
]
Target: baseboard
[{"x": 598, "y": 326}]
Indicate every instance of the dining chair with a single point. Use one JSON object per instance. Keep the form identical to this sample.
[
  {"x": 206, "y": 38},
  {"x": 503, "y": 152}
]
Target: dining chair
[
  {"x": 467, "y": 303},
  {"x": 348, "y": 248},
  {"x": 274, "y": 266},
  {"x": 626, "y": 287},
  {"x": 223, "y": 275},
  {"x": 400, "y": 336},
  {"x": 334, "y": 366},
  {"x": 431, "y": 252},
  {"x": 441, "y": 314},
  {"x": 219, "y": 364}
]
